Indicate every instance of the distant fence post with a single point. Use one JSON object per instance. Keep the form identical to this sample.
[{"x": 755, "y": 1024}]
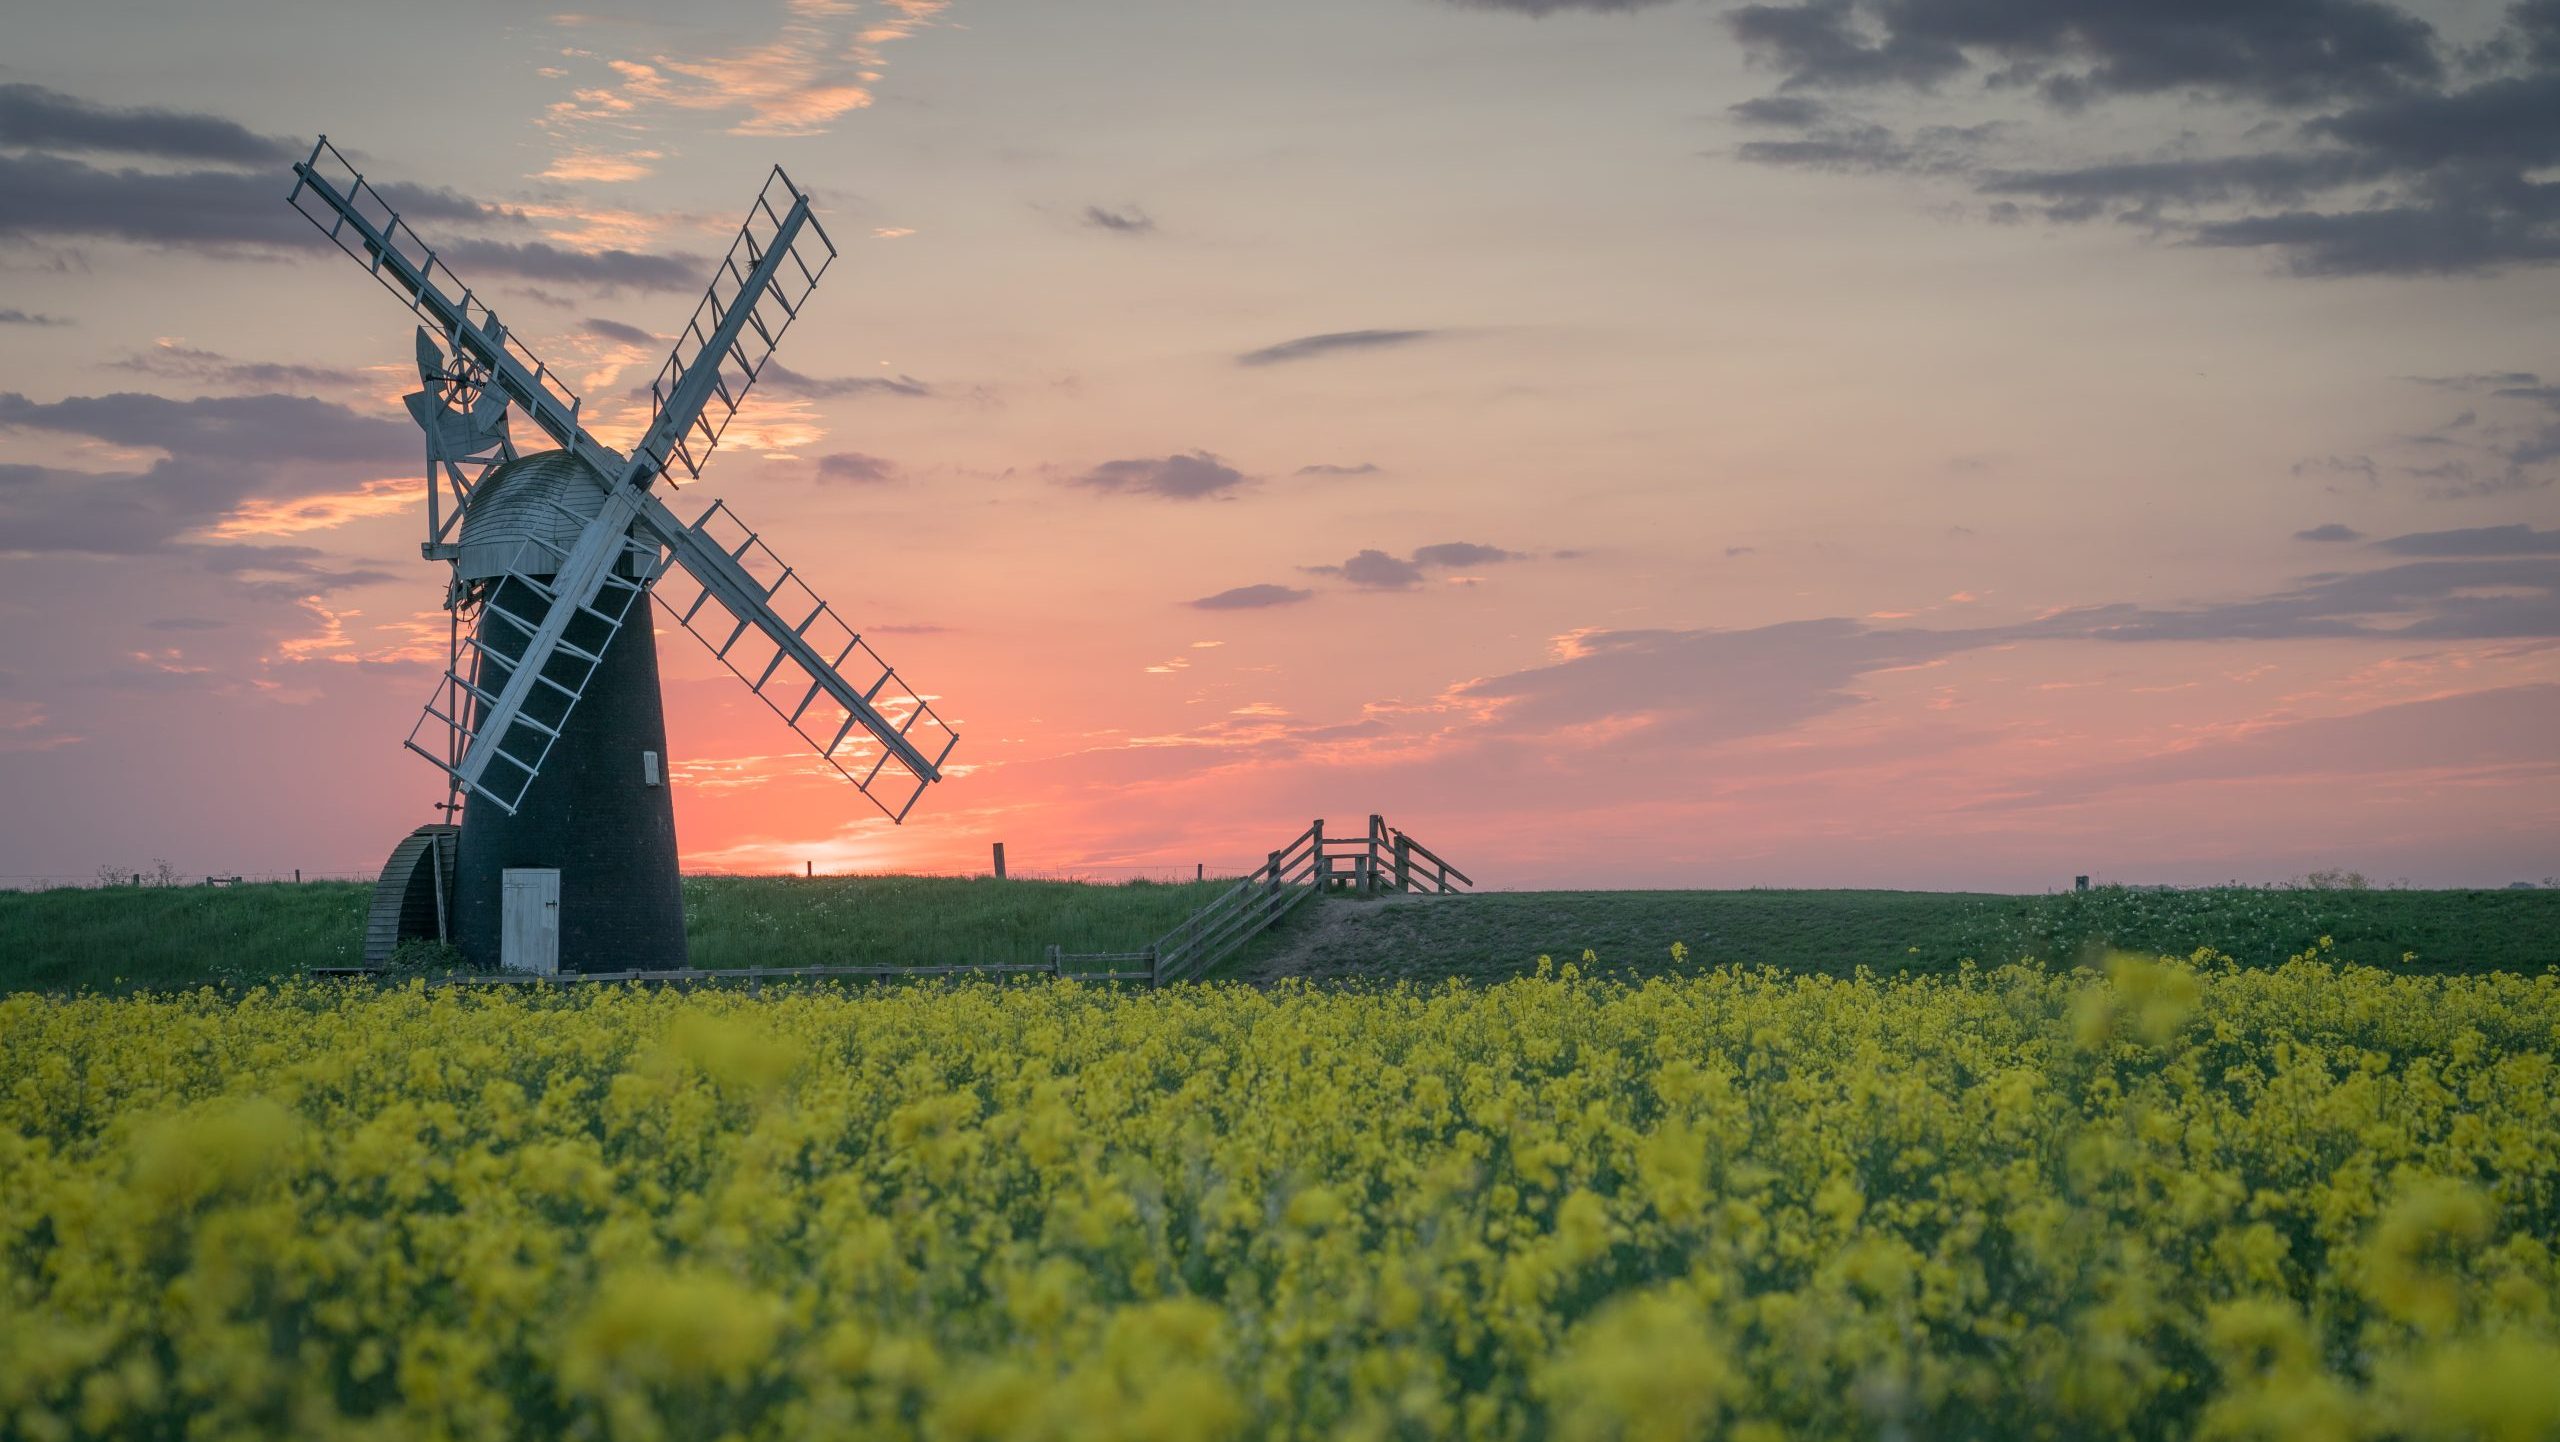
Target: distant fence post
[
  {"x": 1199, "y": 870},
  {"x": 809, "y": 870},
  {"x": 297, "y": 877},
  {"x": 2079, "y": 883},
  {"x": 999, "y": 861}
]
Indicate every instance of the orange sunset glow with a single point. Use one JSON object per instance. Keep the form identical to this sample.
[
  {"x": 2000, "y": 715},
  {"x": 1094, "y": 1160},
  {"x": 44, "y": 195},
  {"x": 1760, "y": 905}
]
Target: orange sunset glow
[{"x": 1645, "y": 444}]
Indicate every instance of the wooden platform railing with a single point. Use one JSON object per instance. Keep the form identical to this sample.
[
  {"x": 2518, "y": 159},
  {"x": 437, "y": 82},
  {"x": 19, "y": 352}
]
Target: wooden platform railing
[{"x": 1379, "y": 861}]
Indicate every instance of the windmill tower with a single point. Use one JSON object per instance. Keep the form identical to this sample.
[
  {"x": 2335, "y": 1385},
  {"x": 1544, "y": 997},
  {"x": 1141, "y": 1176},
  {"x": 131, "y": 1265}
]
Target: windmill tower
[{"x": 548, "y": 722}]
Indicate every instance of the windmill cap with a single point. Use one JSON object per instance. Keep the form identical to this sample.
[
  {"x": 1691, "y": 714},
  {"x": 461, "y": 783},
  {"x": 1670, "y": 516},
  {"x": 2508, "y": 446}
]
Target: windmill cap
[{"x": 526, "y": 514}]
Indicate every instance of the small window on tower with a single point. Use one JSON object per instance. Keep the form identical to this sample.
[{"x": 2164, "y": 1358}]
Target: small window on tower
[{"x": 649, "y": 768}]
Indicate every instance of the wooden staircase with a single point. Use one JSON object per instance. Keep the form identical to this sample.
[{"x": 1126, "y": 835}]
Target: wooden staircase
[{"x": 1380, "y": 862}]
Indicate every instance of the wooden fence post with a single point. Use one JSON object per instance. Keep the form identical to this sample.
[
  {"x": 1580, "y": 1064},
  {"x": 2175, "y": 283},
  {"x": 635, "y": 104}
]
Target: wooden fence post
[
  {"x": 999, "y": 861},
  {"x": 1404, "y": 864},
  {"x": 1272, "y": 887},
  {"x": 1324, "y": 869}
]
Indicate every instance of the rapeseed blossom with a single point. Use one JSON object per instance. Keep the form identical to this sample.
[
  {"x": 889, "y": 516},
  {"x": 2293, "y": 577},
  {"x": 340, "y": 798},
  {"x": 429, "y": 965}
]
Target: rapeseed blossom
[{"x": 2154, "y": 1197}]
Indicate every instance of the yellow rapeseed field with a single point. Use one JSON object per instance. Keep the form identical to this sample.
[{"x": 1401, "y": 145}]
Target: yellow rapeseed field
[{"x": 2172, "y": 1198}]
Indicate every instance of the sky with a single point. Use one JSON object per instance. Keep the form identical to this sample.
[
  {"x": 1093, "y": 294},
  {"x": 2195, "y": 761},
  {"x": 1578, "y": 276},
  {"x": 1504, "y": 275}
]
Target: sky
[{"x": 1894, "y": 443}]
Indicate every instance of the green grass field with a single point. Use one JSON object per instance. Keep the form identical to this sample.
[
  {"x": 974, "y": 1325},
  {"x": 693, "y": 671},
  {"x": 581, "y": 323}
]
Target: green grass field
[
  {"x": 129, "y": 937},
  {"x": 1502, "y": 934},
  {"x": 124, "y": 937}
]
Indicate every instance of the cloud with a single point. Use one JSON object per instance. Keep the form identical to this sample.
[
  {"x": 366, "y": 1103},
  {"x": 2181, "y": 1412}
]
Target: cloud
[
  {"x": 2503, "y": 442},
  {"x": 606, "y": 270},
  {"x": 1364, "y": 468},
  {"x": 1128, "y": 221},
  {"x": 170, "y": 358},
  {"x": 1706, "y": 686},
  {"x": 11, "y": 315},
  {"x": 615, "y": 330},
  {"x": 2329, "y": 532},
  {"x": 1251, "y": 598},
  {"x": 1308, "y": 346},
  {"x": 2365, "y": 153},
  {"x": 220, "y": 452},
  {"x": 855, "y": 467},
  {"x": 791, "y": 382},
  {"x": 1376, "y": 570},
  {"x": 1462, "y": 553},
  {"x": 1189, "y": 476},
  {"x": 2278, "y": 52},
  {"x": 817, "y": 68},
  {"x": 2517, "y": 540},
  {"x": 238, "y": 213},
  {"x": 35, "y": 118},
  {"x": 1540, "y": 9}
]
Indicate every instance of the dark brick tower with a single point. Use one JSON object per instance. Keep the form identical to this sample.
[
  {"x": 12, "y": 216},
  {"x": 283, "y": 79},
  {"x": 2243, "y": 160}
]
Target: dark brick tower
[{"x": 600, "y": 812}]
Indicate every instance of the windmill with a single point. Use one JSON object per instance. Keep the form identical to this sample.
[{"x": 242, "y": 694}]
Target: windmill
[{"x": 548, "y": 723}]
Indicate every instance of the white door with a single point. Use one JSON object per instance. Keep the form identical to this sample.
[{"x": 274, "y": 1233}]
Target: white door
[{"x": 529, "y": 936}]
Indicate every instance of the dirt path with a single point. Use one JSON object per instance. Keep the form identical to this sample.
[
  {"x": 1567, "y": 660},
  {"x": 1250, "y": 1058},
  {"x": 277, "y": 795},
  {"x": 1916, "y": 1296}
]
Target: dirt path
[{"x": 1336, "y": 932}]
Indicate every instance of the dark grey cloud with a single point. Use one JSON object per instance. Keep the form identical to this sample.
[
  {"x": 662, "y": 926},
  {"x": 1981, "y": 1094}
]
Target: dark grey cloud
[
  {"x": 2431, "y": 599},
  {"x": 791, "y": 382},
  {"x": 53, "y": 197},
  {"x": 11, "y": 315},
  {"x": 1364, "y": 468},
  {"x": 604, "y": 270},
  {"x": 2371, "y": 153},
  {"x": 856, "y": 468},
  {"x": 2329, "y": 532},
  {"x": 39, "y": 119},
  {"x": 1698, "y": 687},
  {"x": 283, "y": 573},
  {"x": 2074, "y": 52},
  {"x": 1127, "y": 220},
  {"x": 2517, "y": 540},
  {"x": 1854, "y": 148},
  {"x": 1792, "y": 111},
  {"x": 1189, "y": 476},
  {"x": 1540, "y": 9},
  {"x": 1376, "y": 570},
  {"x": 1306, "y": 347},
  {"x": 617, "y": 331},
  {"x": 234, "y": 213},
  {"x": 221, "y": 450},
  {"x": 1251, "y": 598},
  {"x": 195, "y": 363},
  {"x": 2504, "y": 442},
  {"x": 1702, "y": 687},
  {"x": 1462, "y": 553}
]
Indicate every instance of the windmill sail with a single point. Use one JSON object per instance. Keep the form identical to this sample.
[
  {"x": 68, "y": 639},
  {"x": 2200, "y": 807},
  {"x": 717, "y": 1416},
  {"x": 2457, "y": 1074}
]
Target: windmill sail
[{"x": 523, "y": 693}]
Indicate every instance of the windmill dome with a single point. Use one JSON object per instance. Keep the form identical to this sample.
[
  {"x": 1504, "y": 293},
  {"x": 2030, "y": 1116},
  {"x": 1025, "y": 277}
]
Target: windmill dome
[{"x": 526, "y": 514}]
